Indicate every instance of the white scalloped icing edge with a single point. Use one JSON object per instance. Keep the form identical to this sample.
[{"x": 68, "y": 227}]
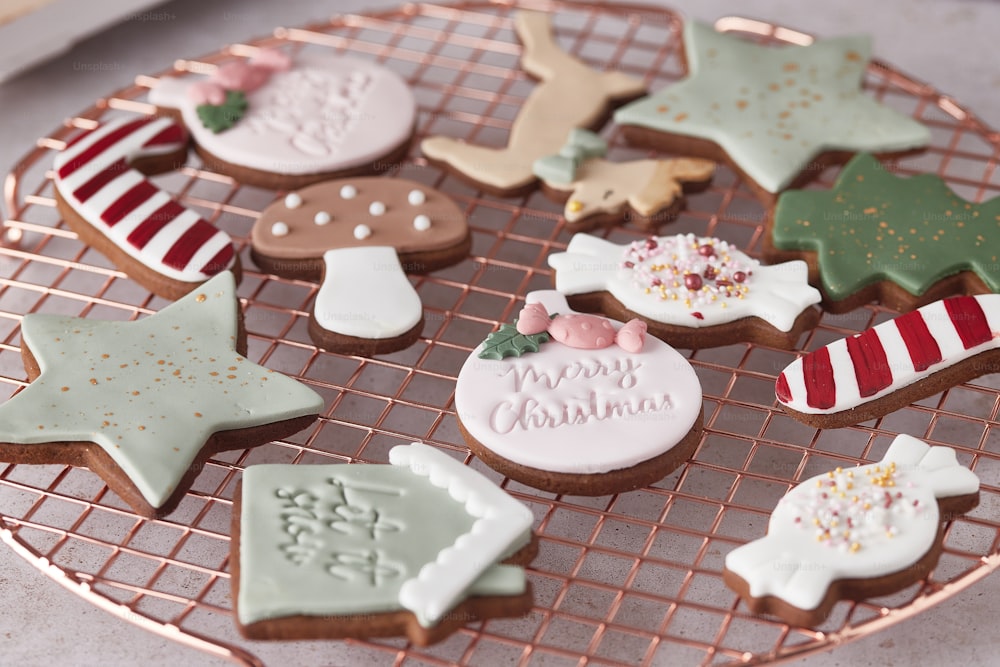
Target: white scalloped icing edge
[{"x": 501, "y": 527}]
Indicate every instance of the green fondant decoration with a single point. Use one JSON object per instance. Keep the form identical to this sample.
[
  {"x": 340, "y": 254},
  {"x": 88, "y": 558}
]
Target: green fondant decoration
[
  {"x": 774, "y": 109},
  {"x": 220, "y": 117},
  {"x": 581, "y": 145},
  {"x": 555, "y": 168},
  {"x": 151, "y": 392},
  {"x": 508, "y": 342},
  {"x": 874, "y": 226},
  {"x": 588, "y": 144}
]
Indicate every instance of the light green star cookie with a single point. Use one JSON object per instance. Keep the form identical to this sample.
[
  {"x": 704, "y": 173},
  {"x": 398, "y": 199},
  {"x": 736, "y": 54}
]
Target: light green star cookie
[
  {"x": 773, "y": 110},
  {"x": 156, "y": 396}
]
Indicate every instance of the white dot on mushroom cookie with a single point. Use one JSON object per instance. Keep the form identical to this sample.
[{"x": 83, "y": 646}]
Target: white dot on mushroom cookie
[
  {"x": 348, "y": 192},
  {"x": 293, "y": 200},
  {"x": 376, "y": 208},
  {"x": 421, "y": 223},
  {"x": 279, "y": 229},
  {"x": 322, "y": 218},
  {"x": 361, "y": 232},
  {"x": 416, "y": 197}
]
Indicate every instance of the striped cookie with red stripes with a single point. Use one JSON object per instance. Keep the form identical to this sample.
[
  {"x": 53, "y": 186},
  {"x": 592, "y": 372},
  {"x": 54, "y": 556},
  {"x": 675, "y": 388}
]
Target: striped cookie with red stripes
[
  {"x": 891, "y": 365},
  {"x": 103, "y": 194}
]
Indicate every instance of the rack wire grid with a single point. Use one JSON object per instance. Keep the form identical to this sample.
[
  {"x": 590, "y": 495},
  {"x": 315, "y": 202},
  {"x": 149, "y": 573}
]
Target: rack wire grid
[{"x": 630, "y": 579}]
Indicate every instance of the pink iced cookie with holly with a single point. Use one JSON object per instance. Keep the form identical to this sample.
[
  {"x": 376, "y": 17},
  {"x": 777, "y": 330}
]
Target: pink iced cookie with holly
[
  {"x": 692, "y": 291},
  {"x": 283, "y": 122},
  {"x": 576, "y": 403}
]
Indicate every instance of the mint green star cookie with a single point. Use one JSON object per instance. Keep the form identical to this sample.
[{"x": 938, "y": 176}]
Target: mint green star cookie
[
  {"x": 903, "y": 241},
  {"x": 772, "y": 110},
  {"x": 144, "y": 403}
]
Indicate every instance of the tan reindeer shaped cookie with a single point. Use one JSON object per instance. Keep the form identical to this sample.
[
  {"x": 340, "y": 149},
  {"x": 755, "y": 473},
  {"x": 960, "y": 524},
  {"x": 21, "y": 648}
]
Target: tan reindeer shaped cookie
[
  {"x": 570, "y": 95},
  {"x": 600, "y": 192}
]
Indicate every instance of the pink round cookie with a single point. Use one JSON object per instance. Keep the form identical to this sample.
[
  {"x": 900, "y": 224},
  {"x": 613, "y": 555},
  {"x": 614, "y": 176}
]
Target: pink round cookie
[
  {"x": 578, "y": 407},
  {"x": 284, "y": 122}
]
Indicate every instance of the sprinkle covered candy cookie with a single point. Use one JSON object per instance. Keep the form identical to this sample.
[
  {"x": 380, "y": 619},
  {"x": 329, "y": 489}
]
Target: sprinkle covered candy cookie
[
  {"x": 143, "y": 404},
  {"x": 776, "y": 114},
  {"x": 853, "y": 533},
  {"x": 877, "y": 237},
  {"x": 895, "y": 363},
  {"x": 692, "y": 291},
  {"x": 576, "y": 403},
  {"x": 419, "y": 547}
]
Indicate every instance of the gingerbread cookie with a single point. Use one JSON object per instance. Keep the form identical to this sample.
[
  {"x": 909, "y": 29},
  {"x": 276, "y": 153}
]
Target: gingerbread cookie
[
  {"x": 359, "y": 237},
  {"x": 902, "y": 241},
  {"x": 143, "y": 404},
  {"x": 692, "y": 291},
  {"x": 578, "y": 404},
  {"x": 895, "y": 363},
  {"x": 570, "y": 95},
  {"x": 600, "y": 192},
  {"x": 853, "y": 533},
  {"x": 776, "y": 114},
  {"x": 278, "y": 121},
  {"x": 419, "y": 547},
  {"x": 103, "y": 194}
]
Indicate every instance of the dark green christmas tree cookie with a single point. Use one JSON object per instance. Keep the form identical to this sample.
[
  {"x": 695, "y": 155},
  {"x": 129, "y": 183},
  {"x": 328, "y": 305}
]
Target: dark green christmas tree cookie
[{"x": 904, "y": 242}]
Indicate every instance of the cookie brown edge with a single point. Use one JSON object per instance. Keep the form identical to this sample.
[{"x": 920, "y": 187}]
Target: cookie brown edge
[
  {"x": 385, "y": 624},
  {"x": 746, "y": 329},
  {"x": 885, "y": 292},
  {"x": 981, "y": 364},
  {"x": 157, "y": 283},
  {"x": 387, "y": 162},
  {"x": 92, "y": 456},
  {"x": 362, "y": 347},
  {"x": 855, "y": 589},
  {"x": 597, "y": 484}
]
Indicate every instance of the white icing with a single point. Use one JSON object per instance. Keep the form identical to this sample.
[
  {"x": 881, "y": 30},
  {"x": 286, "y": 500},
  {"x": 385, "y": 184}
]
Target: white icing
[
  {"x": 416, "y": 197},
  {"x": 326, "y": 113},
  {"x": 656, "y": 390},
  {"x": 366, "y": 294},
  {"x": 322, "y": 218},
  {"x": 376, "y": 208},
  {"x": 501, "y": 527},
  {"x": 939, "y": 325},
  {"x": 797, "y": 564},
  {"x": 348, "y": 192},
  {"x": 279, "y": 229},
  {"x": 293, "y": 200},
  {"x": 131, "y": 148},
  {"x": 361, "y": 232},
  {"x": 421, "y": 223},
  {"x": 776, "y": 294}
]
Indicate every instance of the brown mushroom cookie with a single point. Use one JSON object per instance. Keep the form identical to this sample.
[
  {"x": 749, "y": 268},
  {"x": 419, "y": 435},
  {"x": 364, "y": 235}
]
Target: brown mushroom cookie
[
  {"x": 279, "y": 121},
  {"x": 359, "y": 237}
]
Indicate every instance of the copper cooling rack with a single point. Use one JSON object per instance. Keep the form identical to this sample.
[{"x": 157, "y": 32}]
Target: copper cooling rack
[{"x": 627, "y": 579}]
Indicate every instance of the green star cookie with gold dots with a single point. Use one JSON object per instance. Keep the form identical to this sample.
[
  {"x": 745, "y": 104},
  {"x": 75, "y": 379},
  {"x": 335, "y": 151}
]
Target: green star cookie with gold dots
[
  {"x": 143, "y": 404},
  {"x": 777, "y": 115},
  {"x": 904, "y": 242}
]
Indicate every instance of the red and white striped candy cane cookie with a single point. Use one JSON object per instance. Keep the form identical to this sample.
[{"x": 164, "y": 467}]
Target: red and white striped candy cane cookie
[
  {"x": 914, "y": 356},
  {"x": 106, "y": 198}
]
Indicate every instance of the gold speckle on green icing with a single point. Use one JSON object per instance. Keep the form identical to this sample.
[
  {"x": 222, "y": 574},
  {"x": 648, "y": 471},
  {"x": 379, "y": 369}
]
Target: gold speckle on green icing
[
  {"x": 874, "y": 226},
  {"x": 774, "y": 109},
  {"x": 140, "y": 412}
]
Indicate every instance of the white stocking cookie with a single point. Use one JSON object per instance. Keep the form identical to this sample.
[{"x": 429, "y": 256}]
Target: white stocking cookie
[
  {"x": 103, "y": 194},
  {"x": 580, "y": 404},
  {"x": 283, "y": 122},
  {"x": 570, "y": 95},
  {"x": 853, "y": 533},
  {"x": 598, "y": 191},
  {"x": 692, "y": 291}
]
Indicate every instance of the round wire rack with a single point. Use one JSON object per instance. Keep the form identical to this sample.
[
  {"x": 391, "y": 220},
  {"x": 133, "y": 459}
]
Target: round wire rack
[{"x": 626, "y": 579}]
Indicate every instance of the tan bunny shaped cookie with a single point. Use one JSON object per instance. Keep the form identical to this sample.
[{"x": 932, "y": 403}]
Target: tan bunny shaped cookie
[
  {"x": 570, "y": 95},
  {"x": 359, "y": 237},
  {"x": 600, "y": 192}
]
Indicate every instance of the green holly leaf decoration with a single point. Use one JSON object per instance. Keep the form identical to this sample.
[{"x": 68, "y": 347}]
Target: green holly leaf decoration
[
  {"x": 508, "y": 342},
  {"x": 220, "y": 117}
]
